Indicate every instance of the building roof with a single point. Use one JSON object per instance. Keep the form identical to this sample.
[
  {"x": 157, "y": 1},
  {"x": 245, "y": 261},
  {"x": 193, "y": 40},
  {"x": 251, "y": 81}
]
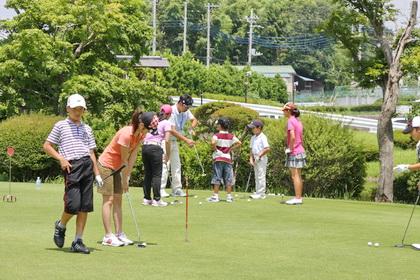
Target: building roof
[
  {"x": 271, "y": 70},
  {"x": 306, "y": 79},
  {"x": 153, "y": 62}
]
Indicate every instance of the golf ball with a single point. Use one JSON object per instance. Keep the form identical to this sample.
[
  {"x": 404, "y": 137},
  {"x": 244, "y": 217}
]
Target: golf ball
[
  {"x": 249, "y": 199},
  {"x": 200, "y": 203},
  {"x": 370, "y": 243},
  {"x": 376, "y": 244},
  {"x": 195, "y": 196}
]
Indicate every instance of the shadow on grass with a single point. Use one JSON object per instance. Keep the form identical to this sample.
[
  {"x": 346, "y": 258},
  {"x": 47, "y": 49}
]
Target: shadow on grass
[{"x": 67, "y": 250}]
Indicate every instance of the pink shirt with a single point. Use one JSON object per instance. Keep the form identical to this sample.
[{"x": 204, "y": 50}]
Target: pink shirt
[
  {"x": 294, "y": 124},
  {"x": 111, "y": 157},
  {"x": 163, "y": 127}
]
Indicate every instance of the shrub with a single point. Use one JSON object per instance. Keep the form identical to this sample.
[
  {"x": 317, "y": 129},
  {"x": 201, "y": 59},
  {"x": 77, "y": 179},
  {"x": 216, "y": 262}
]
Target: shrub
[
  {"x": 239, "y": 116},
  {"x": 405, "y": 187},
  {"x": 403, "y": 141},
  {"x": 27, "y": 133},
  {"x": 204, "y": 112}
]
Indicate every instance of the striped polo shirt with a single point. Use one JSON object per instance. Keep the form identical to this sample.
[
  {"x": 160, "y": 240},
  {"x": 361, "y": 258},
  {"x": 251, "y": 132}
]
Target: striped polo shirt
[
  {"x": 224, "y": 142},
  {"x": 74, "y": 141}
]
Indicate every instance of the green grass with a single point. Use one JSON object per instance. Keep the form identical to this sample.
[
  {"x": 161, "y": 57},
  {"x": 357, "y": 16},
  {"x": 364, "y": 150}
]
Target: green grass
[{"x": 322, "y": 239}]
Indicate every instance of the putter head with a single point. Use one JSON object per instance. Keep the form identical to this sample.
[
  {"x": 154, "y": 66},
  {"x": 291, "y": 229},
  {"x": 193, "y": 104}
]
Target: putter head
[
  {"x": 400, "y": 245},
  {"x": 142, "y": 245}
]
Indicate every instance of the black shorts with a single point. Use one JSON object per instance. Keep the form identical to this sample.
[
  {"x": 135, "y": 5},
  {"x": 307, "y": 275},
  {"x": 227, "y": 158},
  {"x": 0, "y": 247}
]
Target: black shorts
[{"x": 78, "y": 190}]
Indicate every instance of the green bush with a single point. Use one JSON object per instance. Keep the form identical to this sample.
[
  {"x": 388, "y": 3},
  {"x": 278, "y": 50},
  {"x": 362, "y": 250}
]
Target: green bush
[
  {"x": 239, "y": 116},
  {"x": 204, "y": 112},
  {"x": 405, "y": 187},
  {"x": 27, "y": 134},
  {"x": 403, "y": 141}
]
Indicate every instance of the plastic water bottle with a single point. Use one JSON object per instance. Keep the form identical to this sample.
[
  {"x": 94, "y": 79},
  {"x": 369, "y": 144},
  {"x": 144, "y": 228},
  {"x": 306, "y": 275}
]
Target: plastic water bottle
[{"x": 38, "y": 183}]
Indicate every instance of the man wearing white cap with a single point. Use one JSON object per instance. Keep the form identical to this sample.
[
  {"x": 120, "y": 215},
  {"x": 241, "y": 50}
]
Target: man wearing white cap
[
  {"x": 76, "y": 145},
  {"x": 412, "y": 128},
  {"x": 180, "y": 115}
]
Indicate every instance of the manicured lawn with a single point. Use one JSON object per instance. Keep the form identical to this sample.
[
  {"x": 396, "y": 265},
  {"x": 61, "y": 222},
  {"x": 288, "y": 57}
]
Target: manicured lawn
[{"x": 322, "y": 239}]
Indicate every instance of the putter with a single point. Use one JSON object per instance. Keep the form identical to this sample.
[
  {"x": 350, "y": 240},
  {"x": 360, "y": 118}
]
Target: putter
[
  {"x": 186, "y": 210},
  {"x": 203, "y": 173},
  {"x": 402, "y": 245},
  {"x": 247, "y": 182},
  {"x": 139, "y": 244}
]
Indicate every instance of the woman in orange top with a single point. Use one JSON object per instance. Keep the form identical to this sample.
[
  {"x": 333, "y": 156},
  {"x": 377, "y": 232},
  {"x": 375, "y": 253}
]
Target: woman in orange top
[{"x": 121, "y": 151}]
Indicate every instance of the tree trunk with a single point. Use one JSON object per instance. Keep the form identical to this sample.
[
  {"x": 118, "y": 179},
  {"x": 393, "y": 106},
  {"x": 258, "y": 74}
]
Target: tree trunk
[{"x": 385, "y": 136}]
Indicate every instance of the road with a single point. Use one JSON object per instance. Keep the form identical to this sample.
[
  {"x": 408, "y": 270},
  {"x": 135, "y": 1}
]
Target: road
[{"x": 366, "y": 124}]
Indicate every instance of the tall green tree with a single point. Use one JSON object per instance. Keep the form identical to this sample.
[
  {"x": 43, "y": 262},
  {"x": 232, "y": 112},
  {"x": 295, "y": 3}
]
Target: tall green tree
[
  {"x": 376, "y": 54},
  {"x": 55, "y": 43}
]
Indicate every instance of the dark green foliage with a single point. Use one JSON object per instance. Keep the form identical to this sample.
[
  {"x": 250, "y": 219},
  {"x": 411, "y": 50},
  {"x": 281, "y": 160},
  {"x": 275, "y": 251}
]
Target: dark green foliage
[
  {"x": 405, "y": 187},
  {"x": 204, "y": 112},
  {"x": 239, "y": 116},
  {"x": 27, "y": 134}
]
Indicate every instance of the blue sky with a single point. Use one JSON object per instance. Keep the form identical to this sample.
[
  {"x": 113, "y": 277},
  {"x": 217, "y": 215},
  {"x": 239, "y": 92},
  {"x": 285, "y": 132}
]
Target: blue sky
[{"x": 402, "y": 5}]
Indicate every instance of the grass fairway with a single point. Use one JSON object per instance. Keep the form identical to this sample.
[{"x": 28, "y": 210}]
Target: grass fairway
[{"x": 322, "y": 239}]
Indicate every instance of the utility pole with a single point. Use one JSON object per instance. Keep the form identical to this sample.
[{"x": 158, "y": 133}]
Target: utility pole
[
  {"x": 251, "y": 19},
  {"x": 209, "y": 7},
  {"x": 154, "y": 27},
  {"x": 184, "y": 45}
]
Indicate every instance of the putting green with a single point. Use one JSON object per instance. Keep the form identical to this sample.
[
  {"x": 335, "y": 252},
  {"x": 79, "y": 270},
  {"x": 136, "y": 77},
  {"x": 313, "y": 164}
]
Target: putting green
[{"x": 322, "y": 239}]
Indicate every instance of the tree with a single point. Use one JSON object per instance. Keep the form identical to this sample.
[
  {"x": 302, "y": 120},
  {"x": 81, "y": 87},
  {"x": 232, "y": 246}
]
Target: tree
[
  {"x": 55, "y": 42},
  {"x": 360, "y": 26}
]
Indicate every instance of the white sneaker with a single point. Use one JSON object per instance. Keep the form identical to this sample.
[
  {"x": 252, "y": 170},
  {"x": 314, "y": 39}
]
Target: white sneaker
[
  {"x": 415, "y": 246},
  {"x": 213, "y": 198},
  {"x": 163, "y": 193},
  {"x": 123, "y": 238},
  {"x": 112, "y": 240},
  {"x": 159, "y": 203},
  {"x": 257, "y": 196},
  {"x": 229, "y": 198},
  {"x": 179, "y": 192},
  {"x": 147, "y": 201},
  {"x": 294, "y": 201}
]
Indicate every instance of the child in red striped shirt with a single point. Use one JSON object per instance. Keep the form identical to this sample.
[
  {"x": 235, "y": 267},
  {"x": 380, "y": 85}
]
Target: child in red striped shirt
[{"x": 222, "y": 143}]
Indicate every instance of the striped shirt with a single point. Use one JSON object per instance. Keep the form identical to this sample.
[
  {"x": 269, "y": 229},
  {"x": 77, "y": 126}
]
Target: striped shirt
[
  {"x": 73, "y": 141},
  {"x": 224, "y": 142}
]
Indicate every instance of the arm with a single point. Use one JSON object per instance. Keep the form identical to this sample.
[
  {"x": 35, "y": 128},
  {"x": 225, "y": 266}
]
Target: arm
[
  {"x": 51, "y": 151},
  {"x": 264, "y": 152},
  {"x": 292, "y": 139},
  {"x": 236, "y": 145},
  {"x": 414, "y": 167},
  {"x": 167, "y": 146},
  {"x": 125, "y": 172},
  {"x": 181, "y": 137},
  {"x": 213, "y": 144}
]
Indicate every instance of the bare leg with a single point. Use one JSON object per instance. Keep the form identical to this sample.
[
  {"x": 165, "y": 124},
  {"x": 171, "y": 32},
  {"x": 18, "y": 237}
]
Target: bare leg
[
  {"x": 118, "y": 213},
  {"x": 80, "y": 223},
  {"x": 297, "y": 181},
  {"x": 216, "y": 189},
  {"x": 106, "y": 212},
  {"x": 65, "y": 218},
  {"x": 228, "y": 189}
]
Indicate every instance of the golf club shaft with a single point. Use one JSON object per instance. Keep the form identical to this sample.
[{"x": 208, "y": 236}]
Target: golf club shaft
[
  {"x": 133, "y": 215},
  {"x": 186, "y": 210},
  {"x": 114, "y": 172},
  {"x": 247, "y": 182},
  {"x": 412, "y": 212}
]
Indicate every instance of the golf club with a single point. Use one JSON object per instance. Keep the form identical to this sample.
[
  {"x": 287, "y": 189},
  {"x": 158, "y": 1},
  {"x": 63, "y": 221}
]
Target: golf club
[
  {"x": 114, "y": 172},
  {"x": 203, "y": 173},
  {"x": 139, "y": 244},
  {"x": 186, "y": 209},
  {"x": 402, "y": 245},
  {"x": 249, "y": 179}
]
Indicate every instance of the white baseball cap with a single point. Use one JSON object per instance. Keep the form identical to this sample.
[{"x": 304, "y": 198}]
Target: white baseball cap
[
  {"x": 415, "y": 122},
  {"x": 76, "y": 100}
]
